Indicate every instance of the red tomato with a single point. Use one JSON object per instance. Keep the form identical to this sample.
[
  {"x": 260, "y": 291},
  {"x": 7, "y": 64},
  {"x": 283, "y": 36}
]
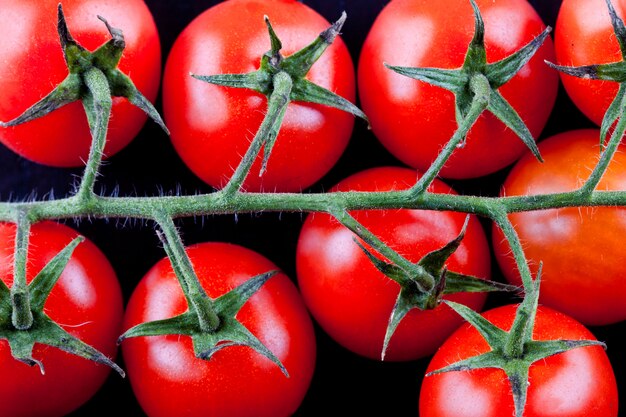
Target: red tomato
[
  {"x": 211, "y": 126},
  {"x": 584, "y": 36},
  {"x": 353, "y": 301},
  {"x": 167, "y": 378},
  {"x": 577, "y": 383},
  {"x": 32, "y": 65},
  {"x": 414, "y": 120},
  {"x": 581, "y": 248},
  {"x": 86, "y": 301}
]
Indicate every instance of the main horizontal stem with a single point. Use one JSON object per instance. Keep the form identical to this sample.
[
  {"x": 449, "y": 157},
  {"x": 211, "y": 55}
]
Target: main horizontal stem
[{"x": 239, "y": 202}]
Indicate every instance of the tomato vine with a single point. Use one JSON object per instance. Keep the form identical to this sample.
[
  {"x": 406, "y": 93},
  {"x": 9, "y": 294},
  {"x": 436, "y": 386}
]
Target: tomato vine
[{"x": 231, "y": 200}]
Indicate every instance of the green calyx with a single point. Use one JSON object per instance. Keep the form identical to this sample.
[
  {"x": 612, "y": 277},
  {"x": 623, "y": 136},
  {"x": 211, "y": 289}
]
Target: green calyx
[
  {"x": 286, "y": 75},
  {"x": 82, "y": 64},
  {"x": 463, "y": 82},
  {"x": 615, "y": 71},
  {"x": 424, "y": 283},
  {"x": 229, "y": 332},
  {"x": 514, "y": 351},
  {"x": 23, "y": 321},
  {"x": 210, "y": 323}
]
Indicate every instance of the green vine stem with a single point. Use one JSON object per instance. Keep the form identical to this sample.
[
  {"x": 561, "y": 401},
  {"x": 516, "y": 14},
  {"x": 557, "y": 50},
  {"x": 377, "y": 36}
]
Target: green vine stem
[{"x": 216, "y": 203}]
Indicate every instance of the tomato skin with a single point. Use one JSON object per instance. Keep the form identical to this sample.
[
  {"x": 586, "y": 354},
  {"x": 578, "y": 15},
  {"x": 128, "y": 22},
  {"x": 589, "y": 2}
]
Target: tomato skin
[
  {"x": 577, "y": 383},
  {"x": 32, "y": 65},
  {"x": 211, "y": 126},
  {"x": 86, "y": 301},
  {"x": 414, "y": 120},
  {"x": 352, "y": 300},
  {"x": 236, "y": 381},
  {"x": 581, "y": 249},
  {"x": 584, "y": 35}
]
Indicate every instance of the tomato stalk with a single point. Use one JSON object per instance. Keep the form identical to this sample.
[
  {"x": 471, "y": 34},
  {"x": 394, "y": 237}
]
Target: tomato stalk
[
  {"x": 615, "y": 72},
  {"x": 23, "y": 322},
  {"x": 211, "y": 323},
  {"x": 475, "y": 87},
  {"x": 282, "y": 80},
  {"x": 423, "y": 283},
  {"x": 93, "y": 79},
  {"x": 513, "y": 351}
]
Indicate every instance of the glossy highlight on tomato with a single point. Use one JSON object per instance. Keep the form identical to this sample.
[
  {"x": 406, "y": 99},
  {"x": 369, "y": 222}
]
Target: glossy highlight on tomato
[
  {"x": 352, "y": 300},
  {"x": 32, "y": 65},
  {"x": 583, "y": 35},
  {"x": 212, "y": 126},
  {"x": 414, "y": 120},
  {"x": 86, "y": 302},
  {"x": 581, "y": 249},
  {"x": 168, "y": 379},
  {"x": 576, "y": 383}
]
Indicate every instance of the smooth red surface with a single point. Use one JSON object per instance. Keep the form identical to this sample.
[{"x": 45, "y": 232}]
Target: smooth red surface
[
  {"x": 212, "y": 126},
  {"x": 584, "y": 36},
  {"x": 86, "y": 301},
  {"x": 167, "y": 378},
  {"x": 581, "y": 248},
  {"x": 353, "y": 301},
  {"x": 577, "y": 383},
  {"x": 414, "y": 120},
  {"x": 32, "y": 65}
]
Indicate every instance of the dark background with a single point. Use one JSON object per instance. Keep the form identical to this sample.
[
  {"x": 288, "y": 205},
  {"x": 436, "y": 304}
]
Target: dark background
[{"x": 343, "y": 383}]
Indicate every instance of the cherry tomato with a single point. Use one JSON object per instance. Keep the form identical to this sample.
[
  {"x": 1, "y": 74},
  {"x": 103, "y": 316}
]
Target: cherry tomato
[
  {"x": 577, "y": 383},
  {"x": 168, "y": 379},
  {"x": 32, "y": 65},
  {"x": 414, "y": 120},
  {"x": 86, "y": 302},
  {"x": 352, "y": 300},
  {"x": 581, "y": 248},
  {"x": 212, "y": 126},
  {"x": 584, "y": 36}
]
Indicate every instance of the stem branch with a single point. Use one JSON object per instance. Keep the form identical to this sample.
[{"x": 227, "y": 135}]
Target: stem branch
[
  {"x": 422, "y": 278},
  {"x": 276, "y": 106},
  {"x": 197, "y": 299},
  {"x": 482, "y": 91},
  {"x": 503, "y": 222},
  {"x": 97, "y": 105},
  {"x": 21, "y": 316},
  {"x": 607, "y": 155}
]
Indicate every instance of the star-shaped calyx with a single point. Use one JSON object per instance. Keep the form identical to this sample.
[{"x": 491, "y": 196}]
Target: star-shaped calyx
[
  {"x": 211, "y": 323},
  {"x": 282, "y": 79},
  {"x": 93, "y": 78},
  {"x": 614, "y": 71},
  {"x": 229, "y": 332},
  {"x": 475, "y": 84},
  {"x": 41, "y": 328},
  {"x": 514, "y": 351},
  {"x": 424, "y": 283}
]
